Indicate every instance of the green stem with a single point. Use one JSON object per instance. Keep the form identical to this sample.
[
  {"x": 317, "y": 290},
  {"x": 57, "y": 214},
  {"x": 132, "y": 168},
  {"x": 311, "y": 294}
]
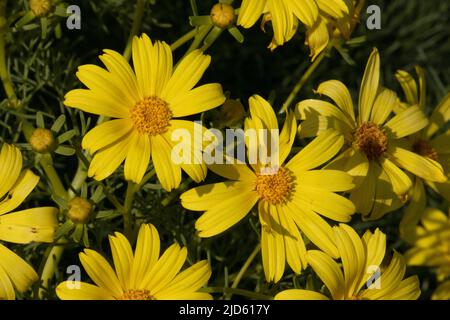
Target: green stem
[
  {"x": 199, "y": 37},
  {"x": 78, "y": 180},
  {"x": 137, "y": 21},
  {"x": 4, "y": 74},
  {"x": 240, "y": 292},
  {"x": 303, "y": 80},
  {"x": 145, "y": 179},
  {"x": 127, "y": 221},
  {"x": 165, "y": 202},
  {"x": 183, "y": 39},
  {"x": 49, "y": 264},
  {"x": 57, "y": 186},
  {"x": 245, "y": 267}
]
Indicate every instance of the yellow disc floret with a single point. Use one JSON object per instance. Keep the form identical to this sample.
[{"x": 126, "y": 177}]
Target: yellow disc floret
[
  {"x": 275, "y": 188},
  {"x": 151, "y": 116}
]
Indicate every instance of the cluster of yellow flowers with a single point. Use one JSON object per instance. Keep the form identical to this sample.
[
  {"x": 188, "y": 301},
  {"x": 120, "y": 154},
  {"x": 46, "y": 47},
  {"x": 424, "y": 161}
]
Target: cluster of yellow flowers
[{"x": 369, "y": 160}]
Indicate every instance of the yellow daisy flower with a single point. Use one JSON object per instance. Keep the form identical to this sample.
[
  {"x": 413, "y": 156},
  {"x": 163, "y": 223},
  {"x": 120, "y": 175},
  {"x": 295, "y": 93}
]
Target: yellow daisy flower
[
  {"x": 145, "y": 103},
  {"x": 285, "y": 15},
  {"x": 291, "y": 199},
  {"x": 333, "y": 24},
  {"x": 430, "y": 142},
  {"x": 22, "y": 227},
  {"x": 361, "y": 260},
  {"x": 374, "y": 150},
  {"x": 143, "y": 275},
  {"x": 432, "y": 248}
]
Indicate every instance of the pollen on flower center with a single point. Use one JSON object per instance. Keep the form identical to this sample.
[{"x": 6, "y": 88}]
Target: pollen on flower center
[
  {"x": 423, "y": 148},
  {"x": 371, "y": 140},
  {"x": 137, "y": 295},
  {"x": 275, "y": 188},
  {"x": 151, "y": 116}
]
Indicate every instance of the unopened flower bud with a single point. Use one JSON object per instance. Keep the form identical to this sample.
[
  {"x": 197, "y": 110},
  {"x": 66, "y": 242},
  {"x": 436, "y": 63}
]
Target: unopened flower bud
[
  {"x": 40, "y": 8},
  {"x": 43, "y": 141},
  {"x": 222, "y": 15},
  {"x": 80, "y": 210}
]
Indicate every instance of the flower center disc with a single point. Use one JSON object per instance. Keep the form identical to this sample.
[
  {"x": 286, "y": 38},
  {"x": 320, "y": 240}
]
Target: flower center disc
[
  {"x": 275, "y": 188},
  {"x": 151, "y": 116},
  {"x": 371, "y": 140},
  {"x": 137, "y": 295},
  {"x": 423, "y": 148}
]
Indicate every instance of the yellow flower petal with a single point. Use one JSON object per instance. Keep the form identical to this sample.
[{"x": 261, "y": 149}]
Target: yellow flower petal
[
  {"x": 20, "y": 273},
  {"x": 121, "y": 69},
  {"x": 338, "y": 92},
  {"x": 317, "y": 38},
  {"x": 86, "y": 291},
  {"x": 407, "y": 122},
  {"x": 442, "y": 292},
  {"x": 107, "y": 160},
  {"x": 383, "y": 106},
  {"x": 6, "y": 287},
  {"x": 440, "y": 116},
  {"x": 401, "y": 183},
  {"x": 326, "y": 203},
  {"x": 353, "y": 257},
  {"x": 282, "y": 20},
  {"x": 413, "y": 211},
  {"x": 353, "y": 162},
  {"x": 10, "y": 168},
  {"x": 250, "y": 12},
  {"x": 233, "y": 171},
  {"x": 272, "y": 243},
  {"x": 329, "y": 180},
  {"x": 425, "y": 168},
  {"x": 308, "y": 107},
  {"x": 168, "y": 173},
  {"x": 313, "y": 226},
  {"x": 226, "y": 213},
  {"x": 297, "y": 294},
  {"x": 31, "y": 225},
  {"x": 363, "y": 196},
  {"x": 197, "y": 100},
  {"x": 186, "y": 75},
  {"x": 138, "y": 157},
  {"x": 369, "y": 86},
  {"x": 408, "y": 289},
  {"x": 122, "y": 257},
  {"x": 287, "y": 136},
  {"x": 409, "y": 86},
  {"x": 259, "y": 107},
  {"x": 190, "y": 280},
  {"x": 106, "y": 133},
  {"x": 317, "y": 152},
  {"x": 146, "y": 254},
  {"x": 207, "y": 196},
  {"x": 375, "y": 244},
  {"x": 196, "y": 167},
  {"x": 100, "y": 271},
  {"x": 295, "y": 247},
  {"x": 334, "y": 8},
  {"x": 104, "y": 84},
  {"x": 90, "y": 101},
  {"x": 306, "y": 11},
  {"x": 328, "y": 271},
  {"x": 22, "y": 188},
  {"x": 165, "y": 269}
]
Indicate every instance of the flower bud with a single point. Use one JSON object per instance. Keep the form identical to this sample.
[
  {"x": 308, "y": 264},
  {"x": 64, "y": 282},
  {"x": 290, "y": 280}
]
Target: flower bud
[
  {"x": 222, "y": 15},
  {"x": 80, "y": 210},
  {"x": 43, "y": 141},
  {"x": 40, "y": 8}
]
